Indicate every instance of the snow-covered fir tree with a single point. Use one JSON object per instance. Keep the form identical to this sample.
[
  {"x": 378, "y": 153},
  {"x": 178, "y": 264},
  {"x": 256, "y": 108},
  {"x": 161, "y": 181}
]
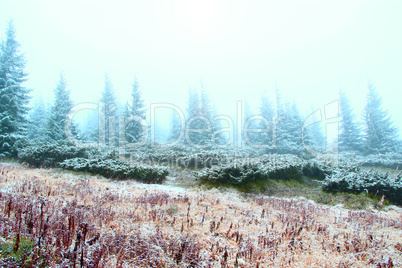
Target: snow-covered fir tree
[
  {"x": 200, "y": 120},
  {"x": 208, "y": 110},
  {"x": 14, "y": 98},
  {"x": 90, "y": 127},
  {"x": 58, "y": 117},
  {"x": 250, "y": 121},
  {"x": 279, "y": 131},
  {"x": 38, "y": 118},
  {"x": 313, "y": 134},
  {"x": 289, "y": 138},
  {"x": 107, "y": 119},
  {"x": 349, "y": 137},
  {"x": 381, "y": 136},
  {"x": 267, "y": 112},
  {"x": 259, "y": 126},
  {"x": 134, "y": 113},
  {"x": 175, "y": 125},
  {"x": 195, "y": 120}
]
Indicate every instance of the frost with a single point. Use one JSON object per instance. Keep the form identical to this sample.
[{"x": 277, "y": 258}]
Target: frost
[{"x": 372, "y": 182}]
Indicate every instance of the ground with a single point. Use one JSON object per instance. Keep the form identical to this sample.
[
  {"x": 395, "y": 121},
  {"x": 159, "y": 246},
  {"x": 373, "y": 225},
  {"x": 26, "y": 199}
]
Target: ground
[{"x": 74, "y": 218}]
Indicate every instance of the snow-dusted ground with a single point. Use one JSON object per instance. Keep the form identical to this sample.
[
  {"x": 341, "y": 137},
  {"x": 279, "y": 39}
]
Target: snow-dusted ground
[
  {"x": 168, "y": 186},
  {"x": 219, "y": 228}
]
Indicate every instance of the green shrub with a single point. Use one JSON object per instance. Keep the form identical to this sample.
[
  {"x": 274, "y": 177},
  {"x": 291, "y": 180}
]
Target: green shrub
[
  {"x": 390, "y": 160},
  {"x": 372, "y": 182},
  {"x": 252, "y": 172},
  {"x": 313, "y": 170},
  {"x": 113, "y": 168},
  {"x": 51, "y": 154}
]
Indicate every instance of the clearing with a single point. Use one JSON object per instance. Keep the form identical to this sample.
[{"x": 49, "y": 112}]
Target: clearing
[{"x": 54, "y": 218}]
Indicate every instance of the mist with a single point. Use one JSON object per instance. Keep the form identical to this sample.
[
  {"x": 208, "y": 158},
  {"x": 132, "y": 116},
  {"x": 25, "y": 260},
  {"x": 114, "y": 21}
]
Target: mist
[
  {"x": 213, "y": 133},
  {"x": 239, "y": 50}
]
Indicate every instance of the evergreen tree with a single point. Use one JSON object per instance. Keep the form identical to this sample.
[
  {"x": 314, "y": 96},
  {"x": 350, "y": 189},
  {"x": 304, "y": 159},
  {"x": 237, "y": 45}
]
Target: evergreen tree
[
  {"x": 290, "y": 139},
  {"x": 280, "y": 134},
  {"x": 194, "y": 121},
  {"x": 193, "y": 104},
  {"x": 313, "y": 135},
  {"x": 13, "y": 96},
  {"x": 349, "y": 137},
  {"x": 38, "y": 119},
  {"x": 259, "y": 128},
  {"x": 381, "y": 135},
  {"x": 278, "y": 102},
  {"x": 91, "y": 127},
  {"x": 58, "y": 118},
  {"x": 201, "y": 113},
  {"x": 135, "y": 109},
  {"x": 249, "y": 122},
  {"x": 267, "y": 113},
  {"x": 175, "y": 126},
  {"x": 107, "y": 118},
  {"x": 215, "y": 137}
]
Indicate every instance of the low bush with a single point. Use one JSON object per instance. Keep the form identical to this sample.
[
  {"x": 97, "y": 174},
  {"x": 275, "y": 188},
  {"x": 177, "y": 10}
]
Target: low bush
[
  {"x": 113, "y": 168},
  {"x": 253, "y": 171},
  {"x": 372, "y": 182},
  {"x": 180, "y": 156},
  {"x": 325, "y": 165},
  {"x": 89, "y": 158},
  {"x": 51, "y": 154},
  {"x": 390, "y": 160}
]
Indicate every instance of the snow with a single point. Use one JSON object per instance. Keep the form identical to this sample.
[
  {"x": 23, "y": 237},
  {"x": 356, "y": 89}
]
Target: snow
[{"x": 161, "y": 187}]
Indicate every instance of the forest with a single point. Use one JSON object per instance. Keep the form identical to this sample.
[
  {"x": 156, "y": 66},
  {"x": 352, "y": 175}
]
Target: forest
[{"x": 279, "y": 152}]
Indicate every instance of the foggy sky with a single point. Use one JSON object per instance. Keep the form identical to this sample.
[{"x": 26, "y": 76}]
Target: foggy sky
[{"x": 308, "y": 49}]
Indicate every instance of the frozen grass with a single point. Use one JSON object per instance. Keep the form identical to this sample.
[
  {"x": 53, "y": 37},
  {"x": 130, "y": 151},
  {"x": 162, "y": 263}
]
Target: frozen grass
[{"x": 60, "y": 219}]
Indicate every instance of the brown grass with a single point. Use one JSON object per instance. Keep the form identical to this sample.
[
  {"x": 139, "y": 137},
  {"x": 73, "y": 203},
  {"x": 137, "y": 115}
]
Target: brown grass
[{"x": 85, "y": 221}]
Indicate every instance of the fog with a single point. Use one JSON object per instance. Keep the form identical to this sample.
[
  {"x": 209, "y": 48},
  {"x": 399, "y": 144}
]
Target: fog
[{"x": 309, "y": 50}]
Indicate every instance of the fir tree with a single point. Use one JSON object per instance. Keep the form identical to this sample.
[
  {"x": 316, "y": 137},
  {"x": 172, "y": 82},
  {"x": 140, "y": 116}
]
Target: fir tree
[
  {"x": 58, "y": 118},
  {"x": 194, "y": 121},
  {"x": 289, "y": 137},
  {"x": 193, "y": 104},
  {"x": 201, "y": 120},
  {"x": 38, "y": 119},
  {"x": 175, "y": 126},
  {"x": 107, "y": 118},
  {"x": 214, "y": 137},
  {"x": 14, "y": 97},
  {"x": 135, "y": 110},
  {"x": 91, "y": 127},
  {"x": 250, "y": 121},
  {"x": 313, "y": 135},
  {"x": 349, "y": 137},
  {"x": 280, "y": 131},
  {"x": 259, "y": 127},
  {"x": 381, "y": 135},
  {"x": 267, "y": 113}
]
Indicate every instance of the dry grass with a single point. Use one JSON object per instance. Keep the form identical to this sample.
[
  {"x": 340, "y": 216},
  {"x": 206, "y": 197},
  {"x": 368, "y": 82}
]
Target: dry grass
[{"x": 84, "y": 221}]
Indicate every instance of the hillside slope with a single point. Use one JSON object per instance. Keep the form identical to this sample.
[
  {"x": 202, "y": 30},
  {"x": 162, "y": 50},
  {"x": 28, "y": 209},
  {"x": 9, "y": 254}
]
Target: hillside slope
[{"x": 63, "y": 219}]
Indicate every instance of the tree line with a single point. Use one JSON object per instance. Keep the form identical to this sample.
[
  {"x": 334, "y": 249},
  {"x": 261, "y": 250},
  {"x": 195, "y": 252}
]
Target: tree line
[{"x": 278, "y": 126}]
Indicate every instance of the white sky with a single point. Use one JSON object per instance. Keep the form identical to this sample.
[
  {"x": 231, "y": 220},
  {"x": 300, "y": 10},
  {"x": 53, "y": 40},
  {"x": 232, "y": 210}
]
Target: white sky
[{"x": 310, "y": 49}]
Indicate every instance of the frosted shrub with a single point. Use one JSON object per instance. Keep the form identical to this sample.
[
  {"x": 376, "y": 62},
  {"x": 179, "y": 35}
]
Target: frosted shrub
[
  {"x": 246, "y": 171},
  {"x": 113, "y": 168},
  {"x": 391, "y": 160},
  {"x": 326, "y": 165},
  {"x": 51, "y": 154},
  {"x": 89, "y": 158},
  {"x": 185, "y": 157},
  {"x": 372, "y": 182}
]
